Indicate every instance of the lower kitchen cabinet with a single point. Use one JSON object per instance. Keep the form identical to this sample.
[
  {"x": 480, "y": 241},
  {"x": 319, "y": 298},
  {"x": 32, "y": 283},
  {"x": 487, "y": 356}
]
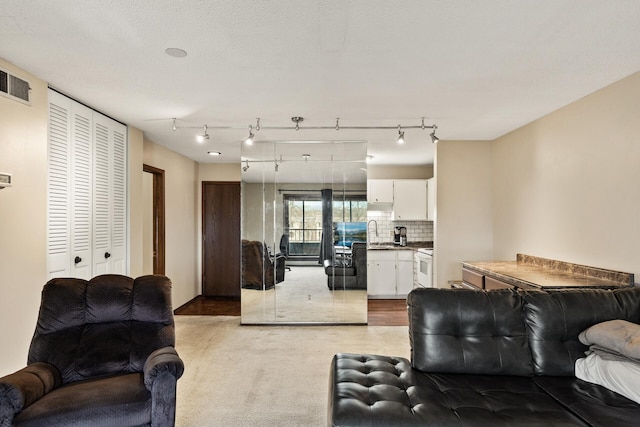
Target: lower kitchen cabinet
[{"x": 389, "y": 273}]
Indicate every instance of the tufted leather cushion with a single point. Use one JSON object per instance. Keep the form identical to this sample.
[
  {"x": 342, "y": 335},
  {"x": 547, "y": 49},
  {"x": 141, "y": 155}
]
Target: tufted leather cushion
[
  {"x": 591, "y": 402},
  {"x": 465, "y": 331},
  {"x": 556, "y": 318},
  {"x": 371, "y": 390},
  {"x": 106, "y": 326}
]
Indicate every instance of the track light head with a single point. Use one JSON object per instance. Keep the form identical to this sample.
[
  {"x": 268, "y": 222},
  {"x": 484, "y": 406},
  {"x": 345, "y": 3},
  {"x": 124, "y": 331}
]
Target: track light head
[
  {"x": 244, "y": 168},
  {"x": 202, "y": 138},
  {"x": 400, "y": 135},
  {"x": 249, "y": 140},
  {"x": 174, "y": 128},
  {"x": 433, "y": 136}
]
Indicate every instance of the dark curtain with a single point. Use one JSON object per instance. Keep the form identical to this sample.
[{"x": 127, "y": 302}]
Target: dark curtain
[{"x": 326, "y": 242}]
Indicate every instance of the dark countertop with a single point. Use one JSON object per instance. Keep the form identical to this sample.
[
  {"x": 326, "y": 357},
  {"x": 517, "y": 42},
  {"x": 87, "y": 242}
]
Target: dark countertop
[
  {"x": 389, "y": 246},
  {"x": 528, "y": 271}
]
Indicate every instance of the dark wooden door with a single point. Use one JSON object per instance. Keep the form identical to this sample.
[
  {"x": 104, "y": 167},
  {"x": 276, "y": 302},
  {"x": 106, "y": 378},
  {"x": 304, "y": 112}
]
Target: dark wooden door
[{"x": 221, "y": 239}]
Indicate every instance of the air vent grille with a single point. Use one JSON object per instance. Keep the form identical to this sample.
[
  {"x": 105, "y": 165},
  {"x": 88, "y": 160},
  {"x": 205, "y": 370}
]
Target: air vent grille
[
  {"x": 14, "y": 87},
  {"x": 4, "y": 84}
]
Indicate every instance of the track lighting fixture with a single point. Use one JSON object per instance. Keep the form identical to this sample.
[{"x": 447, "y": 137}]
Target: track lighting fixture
[
  {"x": 202, "y": 138},
  {"x": 306, "y": 157},
  {"x": 297, "y": 120},
  {"x": 400, "y": 135},
  {"x": 249, "y": 140},
  {"x": 244, "y": 168},
  {"x": 433, "y": 136}
]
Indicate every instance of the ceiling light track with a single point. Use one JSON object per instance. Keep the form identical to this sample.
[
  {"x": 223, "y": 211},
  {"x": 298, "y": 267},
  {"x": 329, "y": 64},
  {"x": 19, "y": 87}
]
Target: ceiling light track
[{"x": 297, "y": 127}]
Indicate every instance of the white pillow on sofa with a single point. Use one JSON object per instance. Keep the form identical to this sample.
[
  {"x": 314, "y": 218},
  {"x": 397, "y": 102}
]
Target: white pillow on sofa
[{"x": 621, "y": 377}]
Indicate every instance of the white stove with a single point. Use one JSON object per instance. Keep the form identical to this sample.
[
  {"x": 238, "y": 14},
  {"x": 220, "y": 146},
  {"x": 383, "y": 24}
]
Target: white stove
[{"x": 424, "y": 267}]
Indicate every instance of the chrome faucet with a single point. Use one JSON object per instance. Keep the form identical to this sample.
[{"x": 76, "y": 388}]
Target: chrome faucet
[{"x": 375, "y": 222}]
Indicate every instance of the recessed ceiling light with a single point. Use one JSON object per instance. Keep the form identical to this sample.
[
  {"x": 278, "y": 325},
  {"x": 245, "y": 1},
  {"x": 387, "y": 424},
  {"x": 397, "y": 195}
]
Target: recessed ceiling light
[
  {"x": 175, "y": 52},
  {"x": 214, "y": 153}
]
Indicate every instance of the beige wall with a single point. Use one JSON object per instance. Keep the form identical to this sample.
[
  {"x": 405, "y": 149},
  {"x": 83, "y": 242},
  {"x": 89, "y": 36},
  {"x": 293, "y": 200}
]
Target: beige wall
[
  {"x": 567, "y": 186},
  {"x": 181, "y": 176},
  {"x": 399, "y": 172},
  {"x": 463, "y": 229},
  {"x": 135, "y": 141},
  {"x": 23, "y": 219}
]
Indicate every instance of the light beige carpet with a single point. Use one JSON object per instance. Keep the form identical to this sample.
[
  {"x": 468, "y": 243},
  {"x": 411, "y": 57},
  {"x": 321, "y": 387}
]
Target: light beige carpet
[
  {"x": 266, "y": 375},
  {"x": 303, "y": 297}
]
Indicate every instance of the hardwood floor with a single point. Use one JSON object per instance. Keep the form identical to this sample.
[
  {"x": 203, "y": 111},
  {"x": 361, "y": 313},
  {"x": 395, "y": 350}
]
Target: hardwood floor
[
  {"x": 210, "y": 306},
  {"x": 381, "y": 312},
  {"x": 388, "y": 312}
]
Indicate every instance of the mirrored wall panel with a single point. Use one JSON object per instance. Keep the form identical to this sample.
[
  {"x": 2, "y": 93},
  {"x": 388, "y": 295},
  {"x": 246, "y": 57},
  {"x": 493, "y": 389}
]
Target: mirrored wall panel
[{"x": 304, "y": 239}]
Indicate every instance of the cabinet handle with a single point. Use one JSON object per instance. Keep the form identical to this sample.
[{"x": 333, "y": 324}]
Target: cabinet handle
[
  {"x": 77, "y": 260},
  {"x": 106, "y": 255}
]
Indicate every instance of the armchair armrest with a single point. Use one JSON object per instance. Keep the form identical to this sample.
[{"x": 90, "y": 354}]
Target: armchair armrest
[
  {"x": 22, "y": 388},
  {"x": 161, "y": 372},
  {"x": 162, "y": 360}
]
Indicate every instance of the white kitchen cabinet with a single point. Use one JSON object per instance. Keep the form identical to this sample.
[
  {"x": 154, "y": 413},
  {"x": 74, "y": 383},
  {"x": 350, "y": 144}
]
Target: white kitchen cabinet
[
  {"x": 389, "y": 273},
  {"x": 380, "y": 191},
  {"x": 404, "y": 272},
  {"x": 381, "y": 272},
  {"x": 410, "y": 200},
  {"x": 431, "y": 199}
]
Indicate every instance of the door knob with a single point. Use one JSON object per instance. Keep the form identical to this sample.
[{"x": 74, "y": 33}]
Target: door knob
[
  {"x": 106, "y": 255},
  {"x": 77, "y": 260}
]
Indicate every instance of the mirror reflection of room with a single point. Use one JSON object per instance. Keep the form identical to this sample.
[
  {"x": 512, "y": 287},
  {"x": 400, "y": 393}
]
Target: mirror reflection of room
[{"x": 304, "y": 233}]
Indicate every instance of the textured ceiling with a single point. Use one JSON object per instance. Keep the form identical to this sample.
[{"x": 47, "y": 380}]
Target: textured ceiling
[{"x": 477, "y": 69}]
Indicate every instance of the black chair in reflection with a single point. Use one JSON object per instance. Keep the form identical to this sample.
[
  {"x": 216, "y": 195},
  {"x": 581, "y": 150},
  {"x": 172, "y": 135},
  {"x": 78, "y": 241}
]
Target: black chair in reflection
[
  {"x": 284, "y": 249},
  {"x": 351, "y": 275},
  {"x": 260, "y": 270}
]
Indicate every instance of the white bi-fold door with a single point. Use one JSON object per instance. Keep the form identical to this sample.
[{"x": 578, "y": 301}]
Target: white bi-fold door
[{"x": 86, "y": 226}]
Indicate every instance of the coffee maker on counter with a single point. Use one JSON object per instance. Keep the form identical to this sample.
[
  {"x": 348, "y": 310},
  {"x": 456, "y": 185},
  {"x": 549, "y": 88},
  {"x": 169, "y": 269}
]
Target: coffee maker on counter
[{"x": 400, "y": 236}]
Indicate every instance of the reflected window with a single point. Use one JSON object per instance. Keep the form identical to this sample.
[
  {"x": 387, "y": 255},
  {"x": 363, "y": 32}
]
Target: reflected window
[
  {"x": 303, "y": 219},
  {"x": 350, "y": 209},
  {"x": 303, "y": 223}
]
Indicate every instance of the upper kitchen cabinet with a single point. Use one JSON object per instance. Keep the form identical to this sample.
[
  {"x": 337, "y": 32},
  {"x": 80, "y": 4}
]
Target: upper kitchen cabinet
[
  {"x": 410, "y": 200},
  {"x": 380, "y": 195},
  {"x": 380, "y": 191}
]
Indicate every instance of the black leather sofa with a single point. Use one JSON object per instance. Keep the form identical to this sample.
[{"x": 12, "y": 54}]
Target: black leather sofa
[
  {"x": 495, "y": 358},
  {"x": 351, "y": 276}
]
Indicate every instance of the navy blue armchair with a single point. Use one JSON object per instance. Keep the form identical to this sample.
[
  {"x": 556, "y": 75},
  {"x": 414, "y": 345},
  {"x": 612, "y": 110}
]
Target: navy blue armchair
[{"x": 102, "y": 354}]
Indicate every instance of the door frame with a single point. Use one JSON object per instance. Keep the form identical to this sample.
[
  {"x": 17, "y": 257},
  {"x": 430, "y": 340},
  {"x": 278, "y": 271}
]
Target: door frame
[{"x": 158, "y": 218}]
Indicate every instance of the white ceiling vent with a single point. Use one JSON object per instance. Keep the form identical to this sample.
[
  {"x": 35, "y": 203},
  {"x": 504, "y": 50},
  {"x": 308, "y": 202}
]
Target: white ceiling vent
[{"x": 14, "y": 87}]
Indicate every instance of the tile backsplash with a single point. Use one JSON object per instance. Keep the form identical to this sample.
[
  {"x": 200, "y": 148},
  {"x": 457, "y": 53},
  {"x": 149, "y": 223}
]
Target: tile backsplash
[{"x": 416, "y": 230}]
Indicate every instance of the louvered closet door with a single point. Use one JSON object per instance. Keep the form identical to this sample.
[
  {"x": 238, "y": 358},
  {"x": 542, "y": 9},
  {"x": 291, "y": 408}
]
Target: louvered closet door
[
  {"x": 86, "y": 202},
  {"x": 109, "y": 197},
  {"x": 58, "y": 187},
  {"x": 69, "y": 188},
  {"x": 81, "y": 194}
]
